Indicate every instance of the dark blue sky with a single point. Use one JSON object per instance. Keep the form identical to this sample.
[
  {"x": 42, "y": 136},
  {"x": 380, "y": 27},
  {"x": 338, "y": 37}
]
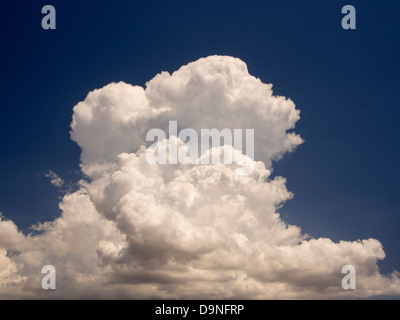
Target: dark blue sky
[{"x": 346, "y": 84}]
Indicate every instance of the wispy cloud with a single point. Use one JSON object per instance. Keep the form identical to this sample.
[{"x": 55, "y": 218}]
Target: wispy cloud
[{"x": 55, "y": 180}]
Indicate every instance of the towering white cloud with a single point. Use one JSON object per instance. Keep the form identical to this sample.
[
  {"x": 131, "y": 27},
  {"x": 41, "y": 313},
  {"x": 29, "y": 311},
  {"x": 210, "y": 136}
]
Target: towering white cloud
[
  {"x": 214, "y": 92},
  {"x": 136, "y": 230}
]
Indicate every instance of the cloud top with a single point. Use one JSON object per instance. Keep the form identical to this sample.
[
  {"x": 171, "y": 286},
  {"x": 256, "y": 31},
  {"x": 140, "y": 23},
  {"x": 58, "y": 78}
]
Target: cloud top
[{"x": 214, "y": 92}]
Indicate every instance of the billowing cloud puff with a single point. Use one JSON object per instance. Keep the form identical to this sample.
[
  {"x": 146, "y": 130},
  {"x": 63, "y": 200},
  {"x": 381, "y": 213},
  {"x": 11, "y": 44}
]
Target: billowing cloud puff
[
  {"x": 141, "y": 230},
  {"x": 214, "y": 92}
]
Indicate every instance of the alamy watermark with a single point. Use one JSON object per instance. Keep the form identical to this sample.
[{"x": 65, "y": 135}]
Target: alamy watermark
[
  {"x": 163, "y": 151},
  {"x": 49, "y": 280},
  {"x": 349, "y": 20},
  {"x": 49, "y": 20},
  {"x": 349, "y": 280}
]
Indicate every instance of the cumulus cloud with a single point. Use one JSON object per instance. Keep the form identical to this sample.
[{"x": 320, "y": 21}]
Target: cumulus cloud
[{"x": 141, "y": 230}]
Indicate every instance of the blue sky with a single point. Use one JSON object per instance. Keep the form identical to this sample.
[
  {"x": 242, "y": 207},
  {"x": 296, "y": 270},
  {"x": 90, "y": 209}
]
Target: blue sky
[{"x": 346, "y": 83}]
